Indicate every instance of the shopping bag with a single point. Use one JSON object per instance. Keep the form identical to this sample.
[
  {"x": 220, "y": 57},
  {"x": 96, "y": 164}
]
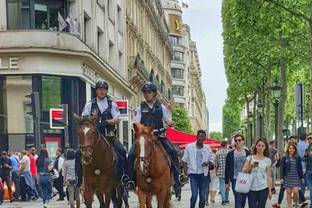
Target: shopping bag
[{"x": 243, "y": 183}]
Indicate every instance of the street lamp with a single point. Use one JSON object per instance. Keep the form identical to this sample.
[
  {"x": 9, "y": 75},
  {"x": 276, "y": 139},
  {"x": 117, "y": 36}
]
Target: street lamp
[
  {"x": 260, "y": 113},
  {"x": 250, "y": 120},
  {"x": 276, "y": 95}
]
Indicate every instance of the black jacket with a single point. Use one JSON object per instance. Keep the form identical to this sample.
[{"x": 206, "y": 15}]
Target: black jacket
[
  {"x": 285, "y": 166},
  {"x": 229, "y": 166}
]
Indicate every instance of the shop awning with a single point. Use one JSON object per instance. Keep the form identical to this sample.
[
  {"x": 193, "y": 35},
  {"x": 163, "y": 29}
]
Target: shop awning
[{"x": 182, "y": 138}]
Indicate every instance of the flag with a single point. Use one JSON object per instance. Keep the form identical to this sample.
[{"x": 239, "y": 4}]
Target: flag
[
  {"x": 71, "y": 24},
  {"x": 61, "y": 21},
  {"x": 184, "y": 5}
]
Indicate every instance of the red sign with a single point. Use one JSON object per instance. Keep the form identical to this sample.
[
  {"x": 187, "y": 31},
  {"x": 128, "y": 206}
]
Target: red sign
[
  {"x": 123, "y": 108},
  {"x": 57, "y": 114},
  {"x": 57, "y": 118}
]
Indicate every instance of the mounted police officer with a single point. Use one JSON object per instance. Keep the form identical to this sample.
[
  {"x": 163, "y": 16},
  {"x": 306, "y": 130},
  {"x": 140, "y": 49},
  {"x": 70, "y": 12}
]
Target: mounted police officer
[
  {"x": 107, "y": 118},
  {"x": 152, "y": 113}
]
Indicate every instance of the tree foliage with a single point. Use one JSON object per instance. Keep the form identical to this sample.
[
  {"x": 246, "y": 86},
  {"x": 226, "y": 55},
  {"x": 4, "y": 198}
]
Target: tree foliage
[
  {"x": 264, "y": 40},
  {"x": 181, "y": 119},
  {"x": 231, "y": 118},
  {"x": 215, "y": 135}
]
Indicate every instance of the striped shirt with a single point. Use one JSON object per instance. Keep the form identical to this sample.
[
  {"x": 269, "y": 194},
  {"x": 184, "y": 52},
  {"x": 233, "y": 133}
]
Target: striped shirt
[{"x": 221, "y": 158}]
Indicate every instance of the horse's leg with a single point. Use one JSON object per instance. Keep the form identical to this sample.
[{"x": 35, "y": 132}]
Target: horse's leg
[
  {"x": 108, "y": 198},
  {"x": 161, "y": 198},
  {"x": 142, "y": 198},
  {"x": 167, "y": 199},
  {"x": 100, "y": 197},
  {"x": 88, "y": 196},
  {"x": 119, "y": 197},
  {"x": 149, "y": 198}
]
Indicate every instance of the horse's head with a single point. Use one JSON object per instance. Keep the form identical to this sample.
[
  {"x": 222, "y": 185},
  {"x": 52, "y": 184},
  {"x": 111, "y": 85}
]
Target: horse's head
[
  {"x": 88, "y": 136},
  {"x": 144, "y": 145}
]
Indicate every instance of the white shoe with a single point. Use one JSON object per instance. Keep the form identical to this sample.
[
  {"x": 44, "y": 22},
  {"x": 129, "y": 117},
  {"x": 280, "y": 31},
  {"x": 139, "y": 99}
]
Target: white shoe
[{"x": 45, "y": 205}]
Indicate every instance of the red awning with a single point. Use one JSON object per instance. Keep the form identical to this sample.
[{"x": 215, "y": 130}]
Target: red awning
[{"x": 182, "y": 138}]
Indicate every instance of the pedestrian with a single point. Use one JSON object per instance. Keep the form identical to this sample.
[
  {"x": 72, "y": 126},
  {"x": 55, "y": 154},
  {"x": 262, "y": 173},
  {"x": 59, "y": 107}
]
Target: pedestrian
[
  {"x": 259, "y": 164},
  {"x": 308, "y": 160},
  {"x": 1, "y": 191},
  {"x": 28, "y": 190},
  {"x": 274, "y": 157},
  {"x": 235, "y": 160},
  {"x": 197, "y": 157},
  {"x": 58, "y": 182},
  {"x": 33, "y": 170},
  {"x": 5, "y": 172},
  {"x": 302, "y": 146},
  {"x": 221, "y": 158},
  {"x": 214, "y": 180},
  {"x": 291, "y": 173},
  {"x": 43, "y": 163},
  {"x": 292, "y": 139},
  {"x": 70, "y": 178},
  {"x": 14, "y": 171}
]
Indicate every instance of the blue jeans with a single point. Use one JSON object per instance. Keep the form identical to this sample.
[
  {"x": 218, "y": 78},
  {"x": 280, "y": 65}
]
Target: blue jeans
[
  {"x": 302, "y": 189},
  {"x": 199, "y": 184},
  {"x": 258, "y": 199},
  {"x": 309, "y": 182},
  {"x": 224, "y": 192},
  {"x": 240, "y": 199},
  {"x": 46, "y": 187}
]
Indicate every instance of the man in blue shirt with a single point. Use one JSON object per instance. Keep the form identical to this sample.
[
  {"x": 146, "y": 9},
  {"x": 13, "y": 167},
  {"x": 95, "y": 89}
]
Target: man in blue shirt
[
  {"x": 15, "y": 178},
  {"x": 5, "y": 170}
]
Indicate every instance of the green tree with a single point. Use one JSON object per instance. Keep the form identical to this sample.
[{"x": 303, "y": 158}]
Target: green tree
[
  {"x": 231, "y": 118},
  {"x": 181, "y": 119},
  {"x": 216, "y": 135}
]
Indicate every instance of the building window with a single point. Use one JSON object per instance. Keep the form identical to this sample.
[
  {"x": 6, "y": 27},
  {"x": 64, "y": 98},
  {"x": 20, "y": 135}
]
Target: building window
[
  {"x": 36, "y": 14},
  {"x": 178, "y": 90},
  {"x": 87, "y": 29},
  {"x": 177, "y": 73},
  {"x": 100, "y": 43},
  {"x": 151, "y": 76},
  {"x": 119, "y": 20},
  {"x": 111, "y": 53},
  {"x": 178, "y": 56},
  {"x": 174, "y": 40},
  {"x": 51, "y": 92},
  {"x": 111, "y": 10},
  {"x": 162, "y": 86}
]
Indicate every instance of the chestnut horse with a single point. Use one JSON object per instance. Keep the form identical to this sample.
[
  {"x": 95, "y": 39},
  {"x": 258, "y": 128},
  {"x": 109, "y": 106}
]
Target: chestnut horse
[
  {"x": 99, "y": 165},
  {"x": 152, "y": 167}
]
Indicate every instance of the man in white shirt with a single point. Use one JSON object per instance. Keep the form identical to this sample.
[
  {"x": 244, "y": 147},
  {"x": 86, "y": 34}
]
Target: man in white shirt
[{"x": 197, "y": 156}]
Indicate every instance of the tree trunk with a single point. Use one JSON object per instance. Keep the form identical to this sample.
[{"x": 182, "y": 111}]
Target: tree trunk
[
  {"x": 282, "y": 102},
  {"x": 267, "y": 127},
  {"x": 310, "y": 40}
]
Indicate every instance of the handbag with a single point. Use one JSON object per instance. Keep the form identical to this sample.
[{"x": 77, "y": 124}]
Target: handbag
[{"x": 243, "y": 182}]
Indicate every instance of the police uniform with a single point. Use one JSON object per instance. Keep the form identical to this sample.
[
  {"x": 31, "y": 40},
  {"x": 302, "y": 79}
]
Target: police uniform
[
  {"x": 106, "y": 110},
  {"x": 155, "y": 114}
]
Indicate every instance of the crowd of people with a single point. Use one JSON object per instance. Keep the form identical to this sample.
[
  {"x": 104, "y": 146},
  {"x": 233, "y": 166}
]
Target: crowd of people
[
  {"x": 29, "y": 176},
  {"x": 262, "y": 163}
]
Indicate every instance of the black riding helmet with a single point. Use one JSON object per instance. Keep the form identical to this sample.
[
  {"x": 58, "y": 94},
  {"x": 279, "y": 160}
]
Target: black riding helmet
[
  {"x": 149, "y": 86},
  {"x": 101, "y": 84}
]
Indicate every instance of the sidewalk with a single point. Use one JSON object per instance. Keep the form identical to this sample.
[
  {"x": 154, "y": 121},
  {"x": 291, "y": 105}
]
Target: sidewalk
[{"x": 184, "y": 203}]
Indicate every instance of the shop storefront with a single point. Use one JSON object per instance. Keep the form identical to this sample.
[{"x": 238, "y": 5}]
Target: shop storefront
[{"x": 59, "y": 80}]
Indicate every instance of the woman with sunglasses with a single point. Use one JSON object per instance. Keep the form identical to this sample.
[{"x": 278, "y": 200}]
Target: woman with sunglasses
[
  {"x": 259, "y": 165},
  {"x": 235, "y": 160},
  {"x": 308, "y": 160}
]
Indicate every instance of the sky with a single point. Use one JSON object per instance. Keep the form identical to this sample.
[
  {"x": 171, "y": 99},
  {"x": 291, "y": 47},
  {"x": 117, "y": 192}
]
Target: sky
[{"x": 204, "y": 19}]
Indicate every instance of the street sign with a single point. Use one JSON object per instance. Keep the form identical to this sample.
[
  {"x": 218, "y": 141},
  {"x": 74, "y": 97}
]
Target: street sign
[
  {"x": 123, "y": 109},
  {"x": 57, "y": 118}
]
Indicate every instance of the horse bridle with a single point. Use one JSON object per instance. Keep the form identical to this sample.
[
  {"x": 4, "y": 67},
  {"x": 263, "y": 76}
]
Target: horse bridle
[
  {"x": 88, "y": 149},
  {"x": 147, "y": 160}
]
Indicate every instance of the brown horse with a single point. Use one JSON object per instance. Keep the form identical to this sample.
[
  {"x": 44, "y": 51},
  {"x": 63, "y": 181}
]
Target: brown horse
[
  {"x": 152, "y": 168},
  {"x": 99, "y": 163}
]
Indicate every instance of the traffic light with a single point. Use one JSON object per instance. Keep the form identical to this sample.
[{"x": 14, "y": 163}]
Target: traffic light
[{"x": 35, "y": 105}]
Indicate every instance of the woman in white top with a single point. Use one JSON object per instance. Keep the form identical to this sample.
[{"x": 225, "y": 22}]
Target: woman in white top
[{"x": 259, "y": 166}]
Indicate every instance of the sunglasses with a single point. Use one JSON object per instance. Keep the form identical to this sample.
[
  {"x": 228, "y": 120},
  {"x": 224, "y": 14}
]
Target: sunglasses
[
  {"x": 309, "y": 138},
  {"x": 238, "y": 140}
]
